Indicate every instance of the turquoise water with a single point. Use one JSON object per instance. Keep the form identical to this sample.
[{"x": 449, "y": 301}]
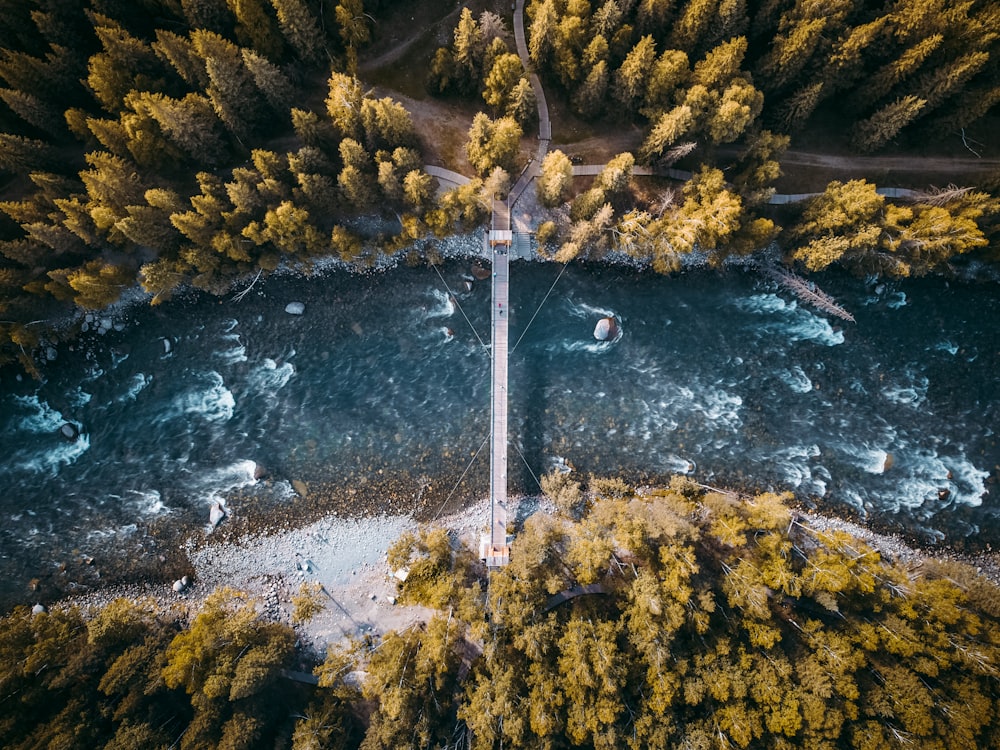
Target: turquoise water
[{"x": 378, "y": 396}]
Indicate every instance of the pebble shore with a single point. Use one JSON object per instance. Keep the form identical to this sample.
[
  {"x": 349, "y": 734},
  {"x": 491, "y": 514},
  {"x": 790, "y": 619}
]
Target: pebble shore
[{"x": 347, "y": 558}]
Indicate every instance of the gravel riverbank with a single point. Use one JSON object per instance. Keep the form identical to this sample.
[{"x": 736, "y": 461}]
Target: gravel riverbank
[{"x": 347, "y": 557}]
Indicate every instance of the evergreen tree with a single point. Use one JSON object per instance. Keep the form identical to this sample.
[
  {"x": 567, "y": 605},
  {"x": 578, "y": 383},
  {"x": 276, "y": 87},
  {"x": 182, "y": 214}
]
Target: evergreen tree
[
  {"x": 541, "y": 33},
  {"x": 35, "y": 112},
  {"x": 503, "y": 76},
  {"x": 589, "y": 100},
  {"x": 256, "y": 28},
  {"x": 343, "y": 104},
  {"x": 886, "y": 123},
  {"x": 493, "y": 143},
  {"x": 554, "y": 178},
  {"x": 790, "y": 53},
  {"x": 126, "y": 64},
  {"x": 632, "y": 77},
  {"x": 190, "y": 123},
  {"x": 300, "y": 29},
  {"x": 669, "y": 129}
]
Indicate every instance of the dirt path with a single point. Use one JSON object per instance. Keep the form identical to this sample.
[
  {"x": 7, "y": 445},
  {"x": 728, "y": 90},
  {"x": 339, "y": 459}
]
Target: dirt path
[{"x": 931, "y": 165}]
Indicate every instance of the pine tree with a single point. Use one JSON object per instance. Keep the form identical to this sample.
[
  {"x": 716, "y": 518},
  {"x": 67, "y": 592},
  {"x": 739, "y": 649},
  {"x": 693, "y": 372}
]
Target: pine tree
[
  {"x": 493, "y": 143},
  {"x": 469, "y": 49},
  {"x": 790, "y": 53},
  {"x": 554, "y": 178},
  {"x": 541, "y": 33},
  {"x": 670, "y": 72},
  {"x": 300, "y": 29},
  {"x": 386, "y": 123},
  {"x": 721, "y": 65},
  {"x": 353, "y": 23},
  {"x": 271, "y": 81},
  {"x": 690, "y": 28},
  {"x": 739, "y": 108},
  {"x": 212, "y": 15},
  {"x": 589, "y": 100},
  {"x": 418, "y": 188},
  {"x": 21, "y": 155},
  {"x": 343, "y": 104},
  {"x": 615, "y": 176},
  {"x": 886, "y": 123},
  {"x": 180, "y": 53},
  {"x": 521, "y": 103},
  {"x": 126, "y": 63},
  {"x": 936, "y": 86},
  {"x": 256, "y": 28},
  {"x": 891, "y": 74},
  {"x": 231, "y": 87},
  {"x": 632, "y": 77},
  {"x": 500, "y": 81},
  {"x": 35, "y": 112},
  {"x": 190, "y": 123},
  {"x": 669, "y": 129}
]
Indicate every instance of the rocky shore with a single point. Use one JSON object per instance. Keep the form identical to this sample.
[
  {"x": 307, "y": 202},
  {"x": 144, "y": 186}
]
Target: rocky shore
[{"x": 346, "y": 558}]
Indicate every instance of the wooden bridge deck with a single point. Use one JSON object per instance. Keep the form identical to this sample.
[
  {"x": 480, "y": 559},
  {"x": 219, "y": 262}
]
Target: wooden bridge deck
[{"x": 495, "y": 546}]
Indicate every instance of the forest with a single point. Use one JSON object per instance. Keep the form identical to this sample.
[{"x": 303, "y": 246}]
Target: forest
[
  {"x": 194, "y": 143},
  {"x": 680, "y": 617}
]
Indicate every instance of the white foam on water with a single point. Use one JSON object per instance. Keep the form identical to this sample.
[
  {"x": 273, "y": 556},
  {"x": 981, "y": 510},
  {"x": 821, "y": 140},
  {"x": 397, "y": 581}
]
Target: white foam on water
[
  {"x": 79, "y": 397},
  {"x": 270, "y": 376},
  {"x": 234, "y": 351},
  {"x": 796, "y": 379},
  {"x": 213, "y": 403},
  {"x": 799, "y": 325},
  {"x": 212, "y": 485},
  {"x": 912, "y": 393},
  {"x": 51, "y": 460},
  {"x": 136, "y": 385},
  {"x": 678, "y": 465},
  {"x": 946, "y": 346},
  {"x": 147, "y": 502},
  {"x": 229, "y": 325},
  {"x": 593, "y": 347},
  {"x": 41, "y": 418},
  {"x": 764, "y": 304},
  {"x": 867, "y": 458},
  {"x": 717, "y": 405},
  {"x": 896, "y": 300},
  {"x": 796, "y": 466},
  {"x": 583, "y": 310},
  {"x": 447, "y": 334},
  {"x": 445, "y": 306},
  {"x": 808, "y": 327},
  {"x": 918, "y": 476}
]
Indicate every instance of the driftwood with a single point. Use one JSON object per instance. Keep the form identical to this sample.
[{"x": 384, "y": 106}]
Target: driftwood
[{"x": 807, "y": 292}]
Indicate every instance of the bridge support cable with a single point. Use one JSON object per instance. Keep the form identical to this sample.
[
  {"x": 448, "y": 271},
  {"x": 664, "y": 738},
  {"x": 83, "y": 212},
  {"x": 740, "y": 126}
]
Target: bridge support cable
[
  {"x": 461, "y": 478},
  {"x": 461, "y": 310},
  {"x": 526, "y": 466},
  {"x": 539, "y": 308}
]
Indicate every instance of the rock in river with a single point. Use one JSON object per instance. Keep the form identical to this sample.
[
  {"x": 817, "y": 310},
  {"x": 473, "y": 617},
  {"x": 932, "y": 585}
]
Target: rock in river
[
  {"x": 607, "y": 328},
  {"x": 295, "y": 308},
  {"x": 216, "y": 514},
  {"x": 69, "y": 431}
]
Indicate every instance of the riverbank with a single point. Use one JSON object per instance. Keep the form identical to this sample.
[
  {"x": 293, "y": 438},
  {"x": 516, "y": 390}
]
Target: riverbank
[{"x": 346, "y": 559}]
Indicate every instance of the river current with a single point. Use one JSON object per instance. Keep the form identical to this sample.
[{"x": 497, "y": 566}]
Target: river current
[{"x": 377, "y": 398}]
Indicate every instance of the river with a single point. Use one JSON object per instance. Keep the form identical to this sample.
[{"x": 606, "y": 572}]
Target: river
[{"x": 377, "y": 398}]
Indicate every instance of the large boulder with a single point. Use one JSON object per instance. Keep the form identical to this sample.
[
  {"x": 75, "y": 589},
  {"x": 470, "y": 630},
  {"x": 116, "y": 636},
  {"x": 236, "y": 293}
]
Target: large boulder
[
  {"x": 69, "y": 431},
  {"x": 607, "y": 328},
  {"x": 295, "y": 308},
  {"x": 216, "y": 514}
]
